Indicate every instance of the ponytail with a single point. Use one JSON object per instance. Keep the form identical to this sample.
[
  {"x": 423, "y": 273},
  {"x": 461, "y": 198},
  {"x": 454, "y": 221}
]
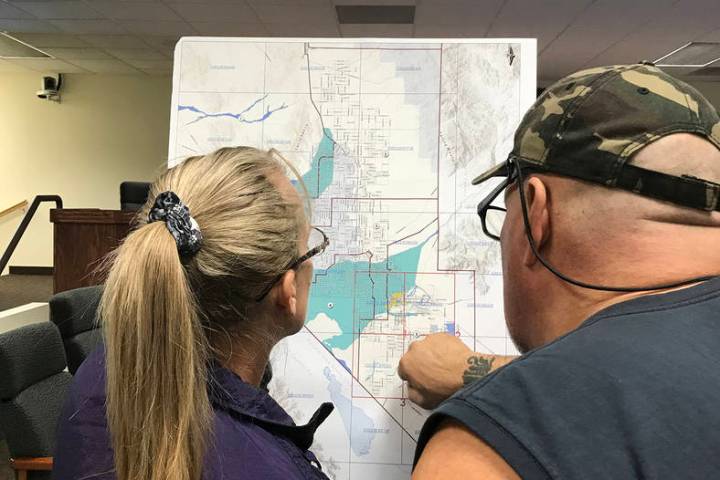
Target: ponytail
[
  {"x": 158, "y": 409},
  {"x": 157, "y": 348}
]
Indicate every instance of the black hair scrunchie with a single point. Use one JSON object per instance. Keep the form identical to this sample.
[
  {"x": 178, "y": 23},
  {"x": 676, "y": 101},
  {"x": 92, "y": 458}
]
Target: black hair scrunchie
[{"x": 185, "y": 230}]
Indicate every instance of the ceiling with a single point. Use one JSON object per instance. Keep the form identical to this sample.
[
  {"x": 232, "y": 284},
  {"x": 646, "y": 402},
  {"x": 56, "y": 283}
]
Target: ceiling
[{"x": 137, "y": 37}]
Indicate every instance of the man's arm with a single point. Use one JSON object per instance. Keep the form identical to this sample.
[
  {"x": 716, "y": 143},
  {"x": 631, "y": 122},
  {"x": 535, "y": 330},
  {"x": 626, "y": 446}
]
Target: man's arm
[
  {"x": 455, "y": 452},
  {"x": 441, "y": 364}
]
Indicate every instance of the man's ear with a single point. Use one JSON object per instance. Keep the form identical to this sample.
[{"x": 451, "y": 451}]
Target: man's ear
[
  {"x": 286, "y": 297},
  {"x": 538, "y": 207}
]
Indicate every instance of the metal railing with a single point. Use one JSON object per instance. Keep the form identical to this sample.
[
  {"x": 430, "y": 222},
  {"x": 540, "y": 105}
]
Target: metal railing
[
  {"x": 18, "y": 206},
  {"x": 24, "y": 224}
]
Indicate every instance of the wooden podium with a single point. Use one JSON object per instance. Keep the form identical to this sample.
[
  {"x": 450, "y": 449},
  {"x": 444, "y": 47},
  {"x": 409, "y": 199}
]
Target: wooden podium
[{"x": 83, "y": 237}]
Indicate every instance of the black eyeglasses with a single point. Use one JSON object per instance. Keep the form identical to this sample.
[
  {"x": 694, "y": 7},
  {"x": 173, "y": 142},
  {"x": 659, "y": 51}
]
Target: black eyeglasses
[
  {"x": 493, "y": 216},
  {"x": 320, "y": 242}
]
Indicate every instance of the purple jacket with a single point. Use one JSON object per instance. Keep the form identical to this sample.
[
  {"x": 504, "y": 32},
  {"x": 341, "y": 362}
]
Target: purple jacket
[{"x": 252, "y": 438}]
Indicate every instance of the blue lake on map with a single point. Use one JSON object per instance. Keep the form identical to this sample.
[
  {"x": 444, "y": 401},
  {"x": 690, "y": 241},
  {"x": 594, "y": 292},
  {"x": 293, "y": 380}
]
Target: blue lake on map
[
  {"x": 362, "y": 290},
  {"x": 359, "y": 426},
  {"x": 354, "y": 289},
  {"x": 320, "y": 175}
]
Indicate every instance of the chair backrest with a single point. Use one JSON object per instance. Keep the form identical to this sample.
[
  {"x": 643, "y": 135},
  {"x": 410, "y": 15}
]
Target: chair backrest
[
  {"x": 33, "y": 386},
  {"x": 75, "y": 314},
  {"x": 133, "y": 195}
]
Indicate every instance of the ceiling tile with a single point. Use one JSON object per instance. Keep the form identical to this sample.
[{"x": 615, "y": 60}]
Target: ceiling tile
[
  {"x": 376, "y": 30},
  {"x": 635, "y": 47},
  {"x": 202, "y": 12},
  {"x": 27, "y": 26},
  {"x": 60, "y": 10},
  {"x": 573, "y": 33},
  {"x": 163, "y": 44},
  {"x": 596, "y": 30},
  {"x": 48, "y": 65},
  {"x": 10, "y": 12},
  {"x": 107, "y": 66},
  {"x": 311, "y": 14},
  {"x": 376, "y": 2},
  {"x": 713, "y": 36},
  {"x": 665, "y": 30},
  {"x": 605, "y": 12},
  {"x": 465, "y": 12},
  {"x": 587, "y": 39},
  {"x": 553, "y": 69},
  {"x": 152, "y": 64},
  {"x": 450, "y": 31},
  {"x": 301, "y": 30},
  {"x": 532, "y": 19},
  {"x": 151, "y": 27},
  {"x": 135, "y": 10},
  {"x": 574, "y": 49},
  {"x": 230, "y": 29},
  {"x": 128, "y": 54},
  {"x": 58, "y": 40},
  {"x": 288, "y": 3},
  {"x": 88, "y": 26},
  {"x": 208, "y": 2},
  {"x": 77, "y": 53},
  {"x": 114, "y": 41}
]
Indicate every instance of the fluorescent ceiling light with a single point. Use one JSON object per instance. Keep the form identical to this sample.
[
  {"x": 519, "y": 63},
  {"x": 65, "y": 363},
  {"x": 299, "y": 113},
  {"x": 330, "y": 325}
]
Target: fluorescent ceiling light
[
  {"x": 11, "y": 47},
  {"x": 693, "y": 54}
]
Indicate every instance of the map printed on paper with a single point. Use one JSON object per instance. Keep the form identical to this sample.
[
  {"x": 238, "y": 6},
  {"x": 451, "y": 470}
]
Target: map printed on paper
[{"x": 388, "y": 135}]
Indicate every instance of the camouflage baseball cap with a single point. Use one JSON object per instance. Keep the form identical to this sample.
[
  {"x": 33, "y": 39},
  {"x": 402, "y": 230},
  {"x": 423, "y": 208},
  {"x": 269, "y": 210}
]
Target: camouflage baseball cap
[{"x": 589, "y": 124}]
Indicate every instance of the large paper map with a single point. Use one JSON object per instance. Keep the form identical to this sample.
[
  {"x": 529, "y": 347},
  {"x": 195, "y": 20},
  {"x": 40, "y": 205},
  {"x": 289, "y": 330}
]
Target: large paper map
[{"x": 388, "y": 135}]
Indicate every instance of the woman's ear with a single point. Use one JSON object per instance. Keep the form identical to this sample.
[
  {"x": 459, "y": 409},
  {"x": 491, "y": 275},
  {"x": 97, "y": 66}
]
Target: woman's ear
[{"x": 286, "y": 297}]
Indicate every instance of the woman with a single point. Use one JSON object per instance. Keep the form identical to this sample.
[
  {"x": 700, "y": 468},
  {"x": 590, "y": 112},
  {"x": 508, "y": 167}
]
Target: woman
[{"x": 217, "y": 272}]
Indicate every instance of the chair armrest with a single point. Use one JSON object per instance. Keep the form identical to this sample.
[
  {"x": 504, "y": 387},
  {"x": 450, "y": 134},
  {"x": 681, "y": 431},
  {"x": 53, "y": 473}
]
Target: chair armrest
[{"x": 32, "y": 463}]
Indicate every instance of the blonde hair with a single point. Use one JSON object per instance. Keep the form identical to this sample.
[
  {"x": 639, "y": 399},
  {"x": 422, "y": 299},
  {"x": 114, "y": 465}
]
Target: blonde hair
[{"x": 160, "y": 312}]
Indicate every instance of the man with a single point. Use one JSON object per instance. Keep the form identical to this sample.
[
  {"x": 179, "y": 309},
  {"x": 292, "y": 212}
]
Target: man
[{"x": 610, "y": 248}]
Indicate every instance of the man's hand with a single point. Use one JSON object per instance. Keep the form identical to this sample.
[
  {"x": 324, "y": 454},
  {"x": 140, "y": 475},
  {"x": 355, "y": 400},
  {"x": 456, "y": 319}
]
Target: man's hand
[{"x": 441, "y": 364}]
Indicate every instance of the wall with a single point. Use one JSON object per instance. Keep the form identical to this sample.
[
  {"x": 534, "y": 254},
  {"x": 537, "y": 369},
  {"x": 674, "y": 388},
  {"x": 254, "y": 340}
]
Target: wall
[{"x": 108, "y": 128}]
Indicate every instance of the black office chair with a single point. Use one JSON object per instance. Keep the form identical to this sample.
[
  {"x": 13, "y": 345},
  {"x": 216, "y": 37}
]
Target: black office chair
[
  {"x": 133, "y": 195},
  {"x": 33, "y": 386},
  {"x": 75, "y": 314}
]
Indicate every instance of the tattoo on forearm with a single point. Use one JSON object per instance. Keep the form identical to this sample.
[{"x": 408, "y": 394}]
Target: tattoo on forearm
[{"x": 478, "y": 368}]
